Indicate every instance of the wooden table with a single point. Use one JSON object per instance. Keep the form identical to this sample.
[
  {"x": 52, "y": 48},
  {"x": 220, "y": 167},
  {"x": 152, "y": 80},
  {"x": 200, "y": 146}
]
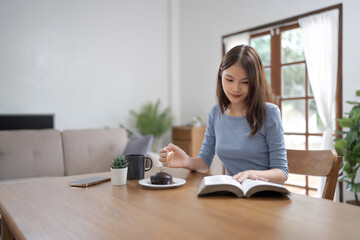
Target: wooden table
[{"x": 50, "y": 209}]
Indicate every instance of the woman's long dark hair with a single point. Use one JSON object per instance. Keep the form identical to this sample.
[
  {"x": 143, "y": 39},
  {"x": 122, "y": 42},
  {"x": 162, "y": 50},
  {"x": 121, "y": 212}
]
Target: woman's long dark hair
[{"x": 258, "y": 93}]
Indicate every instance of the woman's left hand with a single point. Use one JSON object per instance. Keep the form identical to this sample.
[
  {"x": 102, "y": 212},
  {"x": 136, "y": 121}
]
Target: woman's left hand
[{"x": 241, "y": 176}]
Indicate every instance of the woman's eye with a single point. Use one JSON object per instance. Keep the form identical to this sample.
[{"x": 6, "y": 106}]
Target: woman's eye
[
  {"x": 229, "y": 80},
  {"x": 245, "y": 82}
]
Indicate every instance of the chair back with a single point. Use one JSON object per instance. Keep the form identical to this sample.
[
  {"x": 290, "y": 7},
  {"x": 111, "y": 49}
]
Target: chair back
[{"x": 323, "y": 163}]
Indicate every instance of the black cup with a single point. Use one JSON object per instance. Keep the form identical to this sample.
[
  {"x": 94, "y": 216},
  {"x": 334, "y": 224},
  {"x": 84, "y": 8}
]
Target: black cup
[{"x": 137, "y": 165}]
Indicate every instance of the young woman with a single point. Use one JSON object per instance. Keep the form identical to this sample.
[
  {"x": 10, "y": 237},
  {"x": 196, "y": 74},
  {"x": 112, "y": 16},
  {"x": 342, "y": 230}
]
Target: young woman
[{"x": 244, "y": 129}]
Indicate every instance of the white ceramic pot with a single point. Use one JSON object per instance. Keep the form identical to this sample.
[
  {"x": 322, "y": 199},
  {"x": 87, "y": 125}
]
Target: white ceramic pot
[{"x": 118, "y": 176}]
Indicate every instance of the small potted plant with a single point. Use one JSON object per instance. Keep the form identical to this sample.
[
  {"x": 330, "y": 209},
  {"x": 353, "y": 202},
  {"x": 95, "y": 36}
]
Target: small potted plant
[
  {"x": 349, "y": 148},
  {"x": 152, "y": 120},
  {"x": 119, "y": 168}
]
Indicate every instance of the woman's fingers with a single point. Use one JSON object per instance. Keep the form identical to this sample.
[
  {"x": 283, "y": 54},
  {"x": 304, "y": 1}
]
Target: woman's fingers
[
  {"x": 241, "y": 176},
  {"x": 171, "y": 147},
  {"x": 163, "y": 150},
  {"x": 241, "y": 179},
  {"x": 163, "y": 154},
  {"x": 168, "y": 158},
  {"x": 236, "y": 176}
]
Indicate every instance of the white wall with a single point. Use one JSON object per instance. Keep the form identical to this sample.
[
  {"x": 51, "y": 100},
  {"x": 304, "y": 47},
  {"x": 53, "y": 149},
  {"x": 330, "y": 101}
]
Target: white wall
[
  {"x": 86, "y": 61},
  {"x": 204, "y": 22}
]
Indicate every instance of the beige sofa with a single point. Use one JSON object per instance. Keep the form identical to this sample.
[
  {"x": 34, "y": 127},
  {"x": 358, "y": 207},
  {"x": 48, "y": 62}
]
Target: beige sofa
[{"x": 46, "y": 153}]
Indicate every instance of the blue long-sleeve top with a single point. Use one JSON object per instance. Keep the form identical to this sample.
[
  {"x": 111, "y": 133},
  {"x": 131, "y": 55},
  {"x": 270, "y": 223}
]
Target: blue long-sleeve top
[{"x": 229, "y": 137}]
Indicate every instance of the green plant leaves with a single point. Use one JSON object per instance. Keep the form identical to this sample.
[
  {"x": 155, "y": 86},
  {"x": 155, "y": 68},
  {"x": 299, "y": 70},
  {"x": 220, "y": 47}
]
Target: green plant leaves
[
  {"x": 349, "y": 147},
  {"x": 345, "y": 122},
  {"x": 354, "y": 111},
  {"x": 339, "y": 132},
  {"x": 353, "y": 187},
  {"x": 357, "y": 120},
  {"x": 341, "y": 146},
  {"x": 119, "y": 162},
  {"x": 357, "y": 148},
  {"x": 351, "y": 137},
  {"x": 340, "y": 178},
  {"x": 351, "y": 102},
  {"x": 151, "y": 120}
]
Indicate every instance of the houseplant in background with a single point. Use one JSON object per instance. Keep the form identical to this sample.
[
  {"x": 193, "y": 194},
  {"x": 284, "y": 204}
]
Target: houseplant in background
[
  {"x": 150, "y": 119},
  {"x": 119, "y": 168},
  {"x": 349, "y": 148}
]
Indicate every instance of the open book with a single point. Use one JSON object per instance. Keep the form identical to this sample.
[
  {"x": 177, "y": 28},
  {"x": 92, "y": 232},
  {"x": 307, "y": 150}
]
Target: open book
[{"x": 221, "y": 183}]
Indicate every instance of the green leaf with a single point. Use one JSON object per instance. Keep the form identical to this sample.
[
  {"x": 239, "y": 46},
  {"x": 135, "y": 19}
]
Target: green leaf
[
  {"x": 346, "y": 122},
  {"x": 340, "y": 132},
  {"x": 357, "y": 167},
  {"x": 343, "y": 165},
  {"x": 341, "y": 178},
  {"x": 358, "y": 93},
  {"x": 351, "y": 176},
  {"x": 357, "y": 148},
  {"x": 354, "y": 111},
  {"x": 341, "y": 146},
  {"x": 351, "y": 102},
  {"x": 353, "y": 187},
  {"x": 346, "y": 167},
  {"x": 351, "y": 137},
  {"x": 356, "y": 118}
]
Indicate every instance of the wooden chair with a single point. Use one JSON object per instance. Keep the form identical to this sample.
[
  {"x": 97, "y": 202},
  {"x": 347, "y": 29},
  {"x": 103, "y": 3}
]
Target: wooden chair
[{"x": 324, "y": 163}]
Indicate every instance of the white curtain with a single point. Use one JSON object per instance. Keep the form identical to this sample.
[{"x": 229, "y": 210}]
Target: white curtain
[
  {"x": 238, "y": 39},
  {"x": 320, "y": 37}
]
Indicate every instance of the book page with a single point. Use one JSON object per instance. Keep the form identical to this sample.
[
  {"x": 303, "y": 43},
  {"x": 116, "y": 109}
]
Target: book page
[
  {"x": 249, "y": 183},
  {"x": 221, "y": 179}
]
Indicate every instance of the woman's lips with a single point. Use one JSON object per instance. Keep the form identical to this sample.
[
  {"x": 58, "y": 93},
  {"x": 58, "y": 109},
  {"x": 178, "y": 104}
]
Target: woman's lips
[{"x": 235, "y": 96}]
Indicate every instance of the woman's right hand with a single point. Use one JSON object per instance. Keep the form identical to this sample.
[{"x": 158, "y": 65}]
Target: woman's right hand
[{"x": 179, "y": 159}]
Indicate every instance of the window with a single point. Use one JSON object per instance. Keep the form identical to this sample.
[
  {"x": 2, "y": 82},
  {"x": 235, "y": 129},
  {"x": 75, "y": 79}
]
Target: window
[{"x": 281, "y": 50}]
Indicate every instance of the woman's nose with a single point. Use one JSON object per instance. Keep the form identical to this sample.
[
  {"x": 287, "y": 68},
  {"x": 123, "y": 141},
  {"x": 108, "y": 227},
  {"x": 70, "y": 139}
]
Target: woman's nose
[{"x": 236, "y": 87}]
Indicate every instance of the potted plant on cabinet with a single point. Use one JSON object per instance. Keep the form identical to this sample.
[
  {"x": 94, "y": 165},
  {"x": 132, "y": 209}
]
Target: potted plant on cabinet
[
  {"x": 119, "y": 169},
  {"x": 349, "y": 148},
  {"x": 151, "y": 120}
]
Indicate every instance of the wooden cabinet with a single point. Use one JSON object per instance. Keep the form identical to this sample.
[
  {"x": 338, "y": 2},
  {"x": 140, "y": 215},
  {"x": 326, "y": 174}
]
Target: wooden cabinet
[{"x": 189, "y": 138}]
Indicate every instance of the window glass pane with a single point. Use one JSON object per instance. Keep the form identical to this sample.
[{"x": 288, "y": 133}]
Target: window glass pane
[
  {"x": 268, "y": 75},
  {"x": 293, "y": 115},
  {"x": 315, "y": 142},
  {"x": 292, "y": 49},
  {"x": 296, "y": 179},
  {"x": 294, "y": 142},
  {"x": 293, "y": 84},
  {"x": 314, "y": 182},
  {"x": 262, "y": 45},
  {"x": 310, "y": 92},
  {"x": 315, "y": 123}
]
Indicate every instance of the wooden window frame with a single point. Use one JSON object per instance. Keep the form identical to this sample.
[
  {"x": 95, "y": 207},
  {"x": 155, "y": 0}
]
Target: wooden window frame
[{"x": 287, "y": 24}]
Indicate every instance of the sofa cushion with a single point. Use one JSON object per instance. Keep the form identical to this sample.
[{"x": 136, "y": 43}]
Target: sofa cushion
[
  {"x": 30, "y": 153},
  {"x": 92, "y": 150},
  {"x": 138, "y": 144}
]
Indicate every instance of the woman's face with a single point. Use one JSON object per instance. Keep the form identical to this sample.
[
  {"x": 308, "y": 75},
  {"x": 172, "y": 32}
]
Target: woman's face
[{"x": 235, "y": 84}]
